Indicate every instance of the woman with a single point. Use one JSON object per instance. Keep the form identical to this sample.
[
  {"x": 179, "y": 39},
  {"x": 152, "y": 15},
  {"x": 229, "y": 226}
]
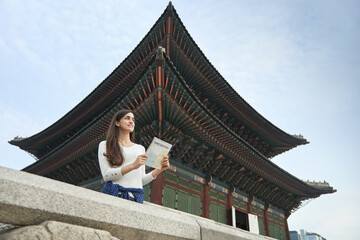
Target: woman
[{"x": 122, "y": 161}]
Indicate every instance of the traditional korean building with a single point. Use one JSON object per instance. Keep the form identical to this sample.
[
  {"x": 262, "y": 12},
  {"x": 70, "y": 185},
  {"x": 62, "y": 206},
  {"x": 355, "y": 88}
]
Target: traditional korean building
[{"x": 220, "y": 167}]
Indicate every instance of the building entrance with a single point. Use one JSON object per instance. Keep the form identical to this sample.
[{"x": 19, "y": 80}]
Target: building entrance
[{"x": 241, "y": 220}]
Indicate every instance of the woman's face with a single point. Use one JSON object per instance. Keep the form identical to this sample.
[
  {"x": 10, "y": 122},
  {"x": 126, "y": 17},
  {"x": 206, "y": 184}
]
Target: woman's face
[{"x": 127, "y": 122}]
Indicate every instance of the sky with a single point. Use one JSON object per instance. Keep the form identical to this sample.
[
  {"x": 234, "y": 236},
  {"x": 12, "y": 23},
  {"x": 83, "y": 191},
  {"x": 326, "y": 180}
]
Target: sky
[{"x": 296, "y": 62}]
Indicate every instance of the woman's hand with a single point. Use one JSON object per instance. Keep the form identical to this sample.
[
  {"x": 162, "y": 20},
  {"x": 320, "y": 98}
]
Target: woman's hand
[
  {"x": 140, "y": 160},
  {"x": 164, "y": 165}
]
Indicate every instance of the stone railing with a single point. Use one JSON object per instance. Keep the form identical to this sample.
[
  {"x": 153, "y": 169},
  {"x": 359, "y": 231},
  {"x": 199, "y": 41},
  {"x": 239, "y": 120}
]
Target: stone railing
[{"x": 42, "y": 208}]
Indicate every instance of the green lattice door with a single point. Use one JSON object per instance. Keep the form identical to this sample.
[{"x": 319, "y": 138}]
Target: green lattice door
[
  {"x": 147, "y": 190},
  {"x": 217, "y": 212},
  {"x": 181, "y": 200},
  {"x": 261, "y": 226}
]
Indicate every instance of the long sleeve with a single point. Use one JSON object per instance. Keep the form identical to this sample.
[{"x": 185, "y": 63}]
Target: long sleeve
[
  {"x": 136, "y": 178},
  {"x": 146, "y": 177},
  {"x": 108, "y": 173}
]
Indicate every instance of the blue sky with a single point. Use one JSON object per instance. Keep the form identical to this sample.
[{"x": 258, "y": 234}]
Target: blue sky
[{"x": 296, "y": 62}]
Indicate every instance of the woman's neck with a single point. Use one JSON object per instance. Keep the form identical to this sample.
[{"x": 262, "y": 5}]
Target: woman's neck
[{"x": 124, "y": 139}]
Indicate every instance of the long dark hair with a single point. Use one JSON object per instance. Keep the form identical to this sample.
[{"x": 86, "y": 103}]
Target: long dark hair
[{"x": 113, "y": 151}]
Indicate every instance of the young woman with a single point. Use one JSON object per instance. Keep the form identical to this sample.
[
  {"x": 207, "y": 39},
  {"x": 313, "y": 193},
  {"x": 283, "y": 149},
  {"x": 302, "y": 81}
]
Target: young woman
[{"x": 122, "y": 161}]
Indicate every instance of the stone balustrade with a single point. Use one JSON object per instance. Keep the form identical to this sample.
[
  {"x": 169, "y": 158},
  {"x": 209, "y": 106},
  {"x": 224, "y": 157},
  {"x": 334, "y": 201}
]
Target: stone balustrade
[{"x": 48, "y": 209}]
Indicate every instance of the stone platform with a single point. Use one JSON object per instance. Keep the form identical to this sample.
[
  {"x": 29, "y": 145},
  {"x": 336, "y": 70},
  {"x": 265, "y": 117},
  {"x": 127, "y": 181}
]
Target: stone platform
[{"x": 50, "y": 209}]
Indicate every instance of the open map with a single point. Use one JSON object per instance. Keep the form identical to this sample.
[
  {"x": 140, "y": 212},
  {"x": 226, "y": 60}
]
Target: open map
[{"x": 157, "y": 150}]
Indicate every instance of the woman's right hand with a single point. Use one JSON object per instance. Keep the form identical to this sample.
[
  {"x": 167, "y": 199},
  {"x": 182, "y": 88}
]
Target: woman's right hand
[{"x": 140, "y": 160}]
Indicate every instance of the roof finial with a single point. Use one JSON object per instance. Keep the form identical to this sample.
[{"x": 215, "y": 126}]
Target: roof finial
[
  {"x": 170, "y": 6},
  {"x": 160, "y": 60}
]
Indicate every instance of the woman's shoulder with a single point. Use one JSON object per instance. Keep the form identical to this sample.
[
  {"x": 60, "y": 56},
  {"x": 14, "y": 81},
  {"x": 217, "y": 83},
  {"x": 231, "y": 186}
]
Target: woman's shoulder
[
  {"x": 138, "y": 147},
  {"x": 102, "y": 144}
]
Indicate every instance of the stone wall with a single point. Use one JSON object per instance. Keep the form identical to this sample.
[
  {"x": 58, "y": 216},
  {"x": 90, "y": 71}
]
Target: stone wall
[
  {"x": 56, "y": 230},
  {"x": 48, "y": 209}
]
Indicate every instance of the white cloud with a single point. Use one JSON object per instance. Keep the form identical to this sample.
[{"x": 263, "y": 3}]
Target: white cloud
[{"x": 296, "y": 63}]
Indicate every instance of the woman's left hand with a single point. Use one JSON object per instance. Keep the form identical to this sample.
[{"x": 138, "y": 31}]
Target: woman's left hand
[{"x": 165, "y": 163}]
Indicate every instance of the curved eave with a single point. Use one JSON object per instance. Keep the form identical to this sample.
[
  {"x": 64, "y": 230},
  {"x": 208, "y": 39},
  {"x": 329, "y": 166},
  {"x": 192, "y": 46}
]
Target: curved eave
[
  {"x": 321, "y": 188},
  {"x": 75, "y": 116},
  {"x": 95, "y": 134},
  {"x": 80, "y": 113},
  {"x": 61, "y": 152},
  {"x": 309, "y": 191},
  {"x": 237, "y": 100}
]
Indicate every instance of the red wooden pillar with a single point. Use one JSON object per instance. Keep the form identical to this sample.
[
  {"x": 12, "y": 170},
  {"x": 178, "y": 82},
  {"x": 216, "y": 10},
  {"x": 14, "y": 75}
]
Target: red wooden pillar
[
  {"x": 266, "y": 221},
  {"x": 157, "y": 186},
  {"x": 159, "y": 85},
  {"x": 249, "y": 204},
  {"x": 229, "y": 208},
  {"x": 206, "y": 202}
]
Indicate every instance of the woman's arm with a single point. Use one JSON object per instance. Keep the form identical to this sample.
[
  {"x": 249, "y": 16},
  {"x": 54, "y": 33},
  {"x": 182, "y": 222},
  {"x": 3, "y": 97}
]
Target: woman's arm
[
  {"x": 114, "y": 173},
  {"x": 153, "y": 174},
  {"x": 109, "y": 173},
  {"x": 140, "y": 160}
]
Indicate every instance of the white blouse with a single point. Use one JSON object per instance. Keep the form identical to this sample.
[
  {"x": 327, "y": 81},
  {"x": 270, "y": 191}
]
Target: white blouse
[{"x": 134, "y": 179}]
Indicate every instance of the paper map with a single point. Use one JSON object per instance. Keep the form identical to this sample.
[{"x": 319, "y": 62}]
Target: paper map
[{"x": 157, "y": 150}]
